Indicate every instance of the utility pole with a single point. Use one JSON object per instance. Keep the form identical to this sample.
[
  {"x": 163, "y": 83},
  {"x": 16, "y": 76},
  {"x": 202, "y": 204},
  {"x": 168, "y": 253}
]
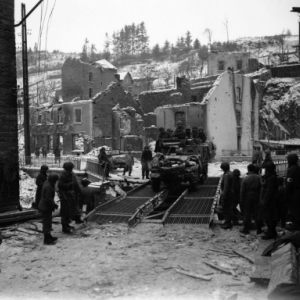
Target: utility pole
[
  {"x": 25, "y": 87},
  {"x": 25, "y": 79}
]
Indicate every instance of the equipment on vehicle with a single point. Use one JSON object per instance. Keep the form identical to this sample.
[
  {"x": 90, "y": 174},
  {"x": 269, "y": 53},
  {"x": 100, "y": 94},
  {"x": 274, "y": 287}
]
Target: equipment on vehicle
[{"x": 180, "y": 160}]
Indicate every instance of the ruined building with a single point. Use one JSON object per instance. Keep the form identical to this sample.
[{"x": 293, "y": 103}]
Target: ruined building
[
  {"x": 218, "y": 62},
  {"x": 85, "y": 80},
  {"x": 9, "y": 176},
  {"x": 110, "y": 118}
]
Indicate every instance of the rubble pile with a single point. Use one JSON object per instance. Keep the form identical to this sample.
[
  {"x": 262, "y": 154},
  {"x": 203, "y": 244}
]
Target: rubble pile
[{"x": 27, "y": 189}]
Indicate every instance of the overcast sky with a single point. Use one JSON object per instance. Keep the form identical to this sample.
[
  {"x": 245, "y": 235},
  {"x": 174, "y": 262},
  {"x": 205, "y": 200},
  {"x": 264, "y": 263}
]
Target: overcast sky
[{"x": 74, "y": 20}]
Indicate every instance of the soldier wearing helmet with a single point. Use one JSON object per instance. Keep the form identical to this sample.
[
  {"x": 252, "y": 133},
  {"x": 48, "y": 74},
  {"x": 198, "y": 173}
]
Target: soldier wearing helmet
[
  {"x": 269, "y": 201},
  {"x": 227, "y": 195},
  {"x": 188, "y": 132},
  {"x": 70, "y": 196},
  {"x": 293, "y": 190},
  {"x": 179, "y": 131}
]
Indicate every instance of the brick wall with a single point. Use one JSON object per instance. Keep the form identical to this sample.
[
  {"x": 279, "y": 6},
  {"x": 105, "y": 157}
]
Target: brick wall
[
  {"x": 75, "y": 79},
  {"x": 9, "y": 188}
]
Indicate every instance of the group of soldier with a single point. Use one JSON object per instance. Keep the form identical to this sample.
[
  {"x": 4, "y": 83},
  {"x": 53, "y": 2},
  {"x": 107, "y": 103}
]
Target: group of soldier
[
  {"x": 195, "y": 134},
  {"x": 74, "y": 200},
  {"x": 266, "y": 199}
]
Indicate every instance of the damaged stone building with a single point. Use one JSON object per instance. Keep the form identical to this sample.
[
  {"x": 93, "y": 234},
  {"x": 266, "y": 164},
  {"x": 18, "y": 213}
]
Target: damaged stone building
[
  {"x": 85, "y": 80},
  {"x": 218, "y": 62},
  {"x": 228, "y": 113},
  {"x": 112, "y": 118}
]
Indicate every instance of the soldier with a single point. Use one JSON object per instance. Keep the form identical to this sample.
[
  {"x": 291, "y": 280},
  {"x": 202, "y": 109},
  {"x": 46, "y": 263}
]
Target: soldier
[
  {"x": 202, "y": 135},
  {"x": 162, "y": 135},
  {"x": 69, "y": 194},
  {"x": 46, "y": 206},
  {"x": 41, "y": 178},
  {"x": 195, "y": 133},
  {"x": 170, "y": 132},
  {"x": 250, "y": 191},
  {"x": 293, "y": 190},
  {"x": 227, "y": 195},
  {"x": 188, "y": 132},
  {"x": 269, "y": 201},
  {"x": 267, "y": 159},
  {"x": 104, "y": 162},
  {"x": 236, "y": 195},
  {"x": 146, "y": 159},
  {"x": 179, "y": 131}
]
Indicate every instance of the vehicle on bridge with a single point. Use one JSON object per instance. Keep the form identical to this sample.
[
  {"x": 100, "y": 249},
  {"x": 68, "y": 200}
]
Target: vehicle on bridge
[{"x": 179, "y": 160}]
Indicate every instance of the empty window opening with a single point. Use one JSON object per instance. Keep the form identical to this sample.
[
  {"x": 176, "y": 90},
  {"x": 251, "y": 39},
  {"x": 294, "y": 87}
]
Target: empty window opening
[
  {"x": 239, "y": 64},
  {"x": 238, "y": 119},
  {"x": 90, "y": 92},
  {"x": 91, "y": 78},
  {"x": 221, "y": 65},
  {"x": 77, "y": 115},
  {"x": 39, "y": 120}
]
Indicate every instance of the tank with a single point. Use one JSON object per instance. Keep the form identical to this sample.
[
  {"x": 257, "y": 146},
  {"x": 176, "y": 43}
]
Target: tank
[{"x": 179, "y": 161}]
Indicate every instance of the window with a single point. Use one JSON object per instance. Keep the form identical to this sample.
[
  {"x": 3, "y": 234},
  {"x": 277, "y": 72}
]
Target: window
[
  {"x": 60, "y": 116},
  {"x": 238, "y": 119},
  {"x": 39, "y": 119},
  {"x": 90, "y": 92},
  {"x": 91, "y": 79},
  {"x": 180, "y": 116},
  {"x": 221, "y": 66},
  {"x": 77, "y": 115},
  {"x": 239, "y": 140},
  {"x": 239, "y": 64},
  {"x": 238, "y": 94}
]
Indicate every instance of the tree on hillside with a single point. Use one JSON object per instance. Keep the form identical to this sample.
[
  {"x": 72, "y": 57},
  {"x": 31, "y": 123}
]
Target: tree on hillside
[
  {"x": 166, "y": 48},
  {"x": 166, "y": 74},
  {"x": 188, "y": 41},
  {"x": 93, "y": 55},
  {"x": 84, "y": 53},
  {"x": 283, "y": 47},
  {"x": 203, "y": 57},
  {"x": 156, "y": 52},
  {"x": 147, "y": 72},
  {"x": 196, "y": 45}
]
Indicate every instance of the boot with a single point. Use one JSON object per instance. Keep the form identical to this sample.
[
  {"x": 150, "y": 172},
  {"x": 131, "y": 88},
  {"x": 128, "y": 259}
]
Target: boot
[
  {"x": 244, "y": 230},
  {"x": 48, "y": 240},
  {"x": 52, "y": 237},
  {"x": 66, "y": 230},
  {"x": 270, "y": 234},
  {"x": 78, "y": 220},
  {"x": 227, "y": 225}
]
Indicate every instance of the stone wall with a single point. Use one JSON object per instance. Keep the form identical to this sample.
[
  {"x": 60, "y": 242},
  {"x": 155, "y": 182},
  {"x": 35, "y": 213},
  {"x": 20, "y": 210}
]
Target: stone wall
[
  {"x": 104, "y": 102},
  {"x": 75, "y": 79},
  {"x": 9, "y": 177},
  {"x": 149, "y": 119}
]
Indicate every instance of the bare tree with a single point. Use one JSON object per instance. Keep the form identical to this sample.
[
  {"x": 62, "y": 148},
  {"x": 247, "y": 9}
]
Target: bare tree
[
  {"x": 225, "y": 23},
  {"x": 147, "y": 72},
  {"x": 166, "y": 73},
  {"x": 283, "y": 47},
  {"x": 209, "y": 34}
]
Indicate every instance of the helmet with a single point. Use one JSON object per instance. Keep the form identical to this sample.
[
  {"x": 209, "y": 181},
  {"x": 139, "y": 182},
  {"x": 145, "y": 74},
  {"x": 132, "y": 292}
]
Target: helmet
[
  {"x": 44, "y": 168},
  {"x": 292, "y": 158},
  {"x": 236, "y": 172},
  {"x": 270, "y": 167},
  {"x": 179, "y": 123},
  {"x": 102, "y": 149},
  {"x": 188, "y": 128},
  {"x": 53, "y": 177},
  {"x": 225, "y": 166},
  {"x": 68, "y": 166}
]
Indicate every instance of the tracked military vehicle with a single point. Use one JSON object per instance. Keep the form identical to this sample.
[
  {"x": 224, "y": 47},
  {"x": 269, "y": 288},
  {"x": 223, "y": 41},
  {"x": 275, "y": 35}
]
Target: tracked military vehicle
[{"x": 179, "y": 160}]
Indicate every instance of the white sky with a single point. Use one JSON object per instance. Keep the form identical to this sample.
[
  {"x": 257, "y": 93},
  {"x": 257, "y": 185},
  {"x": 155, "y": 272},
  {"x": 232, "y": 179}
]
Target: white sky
[{"x": 75, "y": 20}]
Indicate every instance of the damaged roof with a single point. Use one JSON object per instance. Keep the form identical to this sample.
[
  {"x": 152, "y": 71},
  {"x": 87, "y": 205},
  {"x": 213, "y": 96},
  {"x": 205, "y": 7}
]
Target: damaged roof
[{"x": 104, "y": 64}]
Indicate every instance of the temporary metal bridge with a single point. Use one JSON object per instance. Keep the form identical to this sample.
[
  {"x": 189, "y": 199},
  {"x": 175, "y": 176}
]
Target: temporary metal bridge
[{"x": 178, "y": 205}]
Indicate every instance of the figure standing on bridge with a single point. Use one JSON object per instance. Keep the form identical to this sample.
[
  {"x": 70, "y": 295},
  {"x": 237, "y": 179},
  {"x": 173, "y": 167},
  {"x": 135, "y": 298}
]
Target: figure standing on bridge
[
  {"x": 104, "y": 162},
  {"x": 227, "y": 195},
  {"x": 146, "y": 159}
]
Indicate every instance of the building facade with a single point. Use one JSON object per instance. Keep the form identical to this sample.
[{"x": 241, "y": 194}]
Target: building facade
[
  {"x": 83, "y": 80},
  {"x": 110, "y": 118},
  {"x": 228, "y": 113},
  {"x": 218, "y": 62}
]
